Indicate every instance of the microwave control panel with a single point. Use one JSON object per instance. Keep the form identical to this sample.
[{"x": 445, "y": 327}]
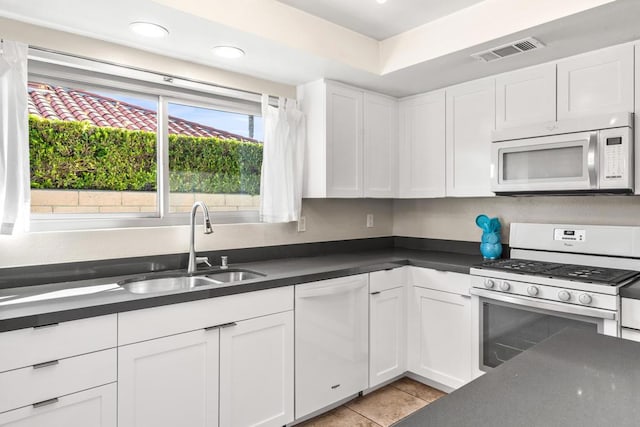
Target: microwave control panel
[
  {"x": 616, "y": 161},
  {"x": 613, "y": 157}
]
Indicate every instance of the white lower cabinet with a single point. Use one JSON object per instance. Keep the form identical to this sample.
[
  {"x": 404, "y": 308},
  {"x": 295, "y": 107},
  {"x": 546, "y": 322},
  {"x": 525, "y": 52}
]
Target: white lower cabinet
[
  {"x": 170, "y": 381},
  {"x": 235, "y": 374},
  {"x": 95, "y": 407},
  {"x": 224, "y": 361},
  {"x": 440, "y": 336},
  {"x": 387, "y": 335},
  {"x": 256, "y": 372},
  {"x": 332, "y": 325}
]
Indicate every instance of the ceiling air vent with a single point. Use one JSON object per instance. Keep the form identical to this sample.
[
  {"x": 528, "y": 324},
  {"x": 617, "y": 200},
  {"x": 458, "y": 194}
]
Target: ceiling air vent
[{"x": 509, "y": 49}]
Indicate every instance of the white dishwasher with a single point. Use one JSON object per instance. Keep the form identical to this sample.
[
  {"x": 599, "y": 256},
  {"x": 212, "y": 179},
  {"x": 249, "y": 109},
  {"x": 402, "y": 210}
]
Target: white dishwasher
[{"x": 331, "y": 339}]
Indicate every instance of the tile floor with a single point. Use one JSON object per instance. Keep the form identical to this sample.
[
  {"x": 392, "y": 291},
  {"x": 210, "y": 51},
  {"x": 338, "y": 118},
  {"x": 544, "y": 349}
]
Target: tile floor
[{"x": 381, "y": 408}]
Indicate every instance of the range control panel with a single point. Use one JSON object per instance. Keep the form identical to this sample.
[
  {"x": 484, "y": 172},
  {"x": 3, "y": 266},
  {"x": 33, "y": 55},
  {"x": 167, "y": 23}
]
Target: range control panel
[{"x": 569, "y": 235}]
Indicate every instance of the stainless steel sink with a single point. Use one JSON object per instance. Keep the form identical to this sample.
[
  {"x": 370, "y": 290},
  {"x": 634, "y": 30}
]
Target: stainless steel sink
[
  {"x": 234, "y": 276},
  {"x": 149, "y": 285},
  {"x": 165, "y": 284}
]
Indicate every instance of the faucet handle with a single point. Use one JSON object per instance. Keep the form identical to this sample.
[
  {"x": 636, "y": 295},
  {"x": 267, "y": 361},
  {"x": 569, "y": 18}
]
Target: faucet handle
[
  {"x": 203, "y": 260},
  {"x": 224, "y": 259}
]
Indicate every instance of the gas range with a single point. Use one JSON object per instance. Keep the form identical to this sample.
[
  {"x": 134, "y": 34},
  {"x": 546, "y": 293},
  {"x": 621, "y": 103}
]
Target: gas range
[
  {"x": 559, "y": 276},
  {"x": 579, "y": 265}
]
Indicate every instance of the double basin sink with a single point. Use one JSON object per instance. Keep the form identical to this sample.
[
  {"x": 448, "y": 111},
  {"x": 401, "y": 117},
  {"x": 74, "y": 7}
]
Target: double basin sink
[{"x": 146, "y": 285}]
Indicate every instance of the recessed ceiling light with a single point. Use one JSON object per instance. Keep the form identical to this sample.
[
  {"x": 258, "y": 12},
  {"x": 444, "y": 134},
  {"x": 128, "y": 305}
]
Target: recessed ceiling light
[
  {"x": 381, "y": 1},
  {"x": 148, "y": 29},
  {"x": 228, "y": 52}
]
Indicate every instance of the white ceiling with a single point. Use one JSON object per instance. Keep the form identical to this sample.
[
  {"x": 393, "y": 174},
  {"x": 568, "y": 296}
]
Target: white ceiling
[
  {"x": 288, "y": 46},
  {"x": 380, "y": 21}
]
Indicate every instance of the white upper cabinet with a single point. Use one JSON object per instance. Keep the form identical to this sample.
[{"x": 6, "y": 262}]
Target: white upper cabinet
[
  {"x": 596, "y": 82},
  {"x": 470, "y": 121},
  {"x": 333, "y": 154},
  {"x": 421, "y": 166},
  {"x": 351, "y": 146},
  {"x": 344, "y": 142},
  {"x": 526, "y": 96},
  {"x": 380, "y": 145}
]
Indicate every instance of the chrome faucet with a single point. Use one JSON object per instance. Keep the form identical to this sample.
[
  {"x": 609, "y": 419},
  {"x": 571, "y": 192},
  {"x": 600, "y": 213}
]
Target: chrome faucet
[{"x": 193, "y": 266}]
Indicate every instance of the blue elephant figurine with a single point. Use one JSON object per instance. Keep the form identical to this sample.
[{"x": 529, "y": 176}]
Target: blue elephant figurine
[{"x": 490, "y": 246}]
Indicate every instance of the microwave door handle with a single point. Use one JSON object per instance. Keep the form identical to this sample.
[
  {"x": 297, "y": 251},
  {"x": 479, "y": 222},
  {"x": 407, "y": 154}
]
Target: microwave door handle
[{"x": 591, "y": 159}]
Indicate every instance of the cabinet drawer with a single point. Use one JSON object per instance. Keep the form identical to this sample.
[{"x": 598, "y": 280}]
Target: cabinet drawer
[
  {"x": 95, "y": 407},
  {"x": 26, "y": 347},
  {"x": 156, "y": 322},
  {"x": 630, "y": 334},
  {"x": 445, "y": 281},
  {"x": 630, "y": 313},
  {"x": 26, "y": 386},
  {"x": 387, "y": 279}
]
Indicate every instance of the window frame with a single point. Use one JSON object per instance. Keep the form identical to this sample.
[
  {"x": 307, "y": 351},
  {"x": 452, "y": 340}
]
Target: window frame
[{"x": 92, "y": 75}]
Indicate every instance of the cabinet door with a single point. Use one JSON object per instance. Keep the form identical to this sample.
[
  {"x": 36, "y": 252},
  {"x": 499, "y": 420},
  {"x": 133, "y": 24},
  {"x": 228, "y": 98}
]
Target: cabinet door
[
  {"x": 526, "y": 96},
  {"x": 171, "y": 381},
  {"x": 95, "y": 407},
  {"x": 380, "y": 145},
  {"x": 440, "y": 336},
  {"x": 387, "y": 331},
  {"x": 596, "y": 82},
  {"x": 344, "y": 142},
  {"x": 332, "y": 341},
  {"x": 256, "y": 372},
  {"x": 470, "y": 120},
  {"x": 421, "y": 165}
]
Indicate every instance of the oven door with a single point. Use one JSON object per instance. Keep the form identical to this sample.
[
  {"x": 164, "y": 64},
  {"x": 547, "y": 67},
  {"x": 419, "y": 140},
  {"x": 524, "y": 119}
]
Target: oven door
[
  {"x": 552, "y": 163},
  {"x": 506, "y": 325}
]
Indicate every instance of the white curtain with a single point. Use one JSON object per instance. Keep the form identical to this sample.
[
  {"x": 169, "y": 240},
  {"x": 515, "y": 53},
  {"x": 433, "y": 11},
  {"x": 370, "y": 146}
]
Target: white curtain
[
  {"x": 282, "y": 161},
  {"x": 14, "y": 139}
]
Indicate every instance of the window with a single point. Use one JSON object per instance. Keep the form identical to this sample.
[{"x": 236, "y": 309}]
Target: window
[{"x": 114, "y": 147}]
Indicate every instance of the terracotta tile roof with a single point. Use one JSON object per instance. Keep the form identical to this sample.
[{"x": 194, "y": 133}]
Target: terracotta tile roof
[{"x": 60, "y": 103}]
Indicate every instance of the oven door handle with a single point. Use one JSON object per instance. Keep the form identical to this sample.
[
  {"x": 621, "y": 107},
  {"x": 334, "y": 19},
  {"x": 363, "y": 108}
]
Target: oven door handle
[{"x": 545, "y": 305}]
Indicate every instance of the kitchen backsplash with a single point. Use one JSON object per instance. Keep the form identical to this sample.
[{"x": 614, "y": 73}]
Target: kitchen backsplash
[{"x": 454, "y": 218}]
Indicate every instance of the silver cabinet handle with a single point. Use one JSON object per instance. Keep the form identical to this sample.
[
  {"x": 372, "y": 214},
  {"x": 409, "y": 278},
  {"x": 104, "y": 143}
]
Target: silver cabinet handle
[
  {"x": 45, "y": 364},
  {"x": 45, "y": 402},
  {"x": 224, "y": 325},
  {"x": 49, "y": 325}
]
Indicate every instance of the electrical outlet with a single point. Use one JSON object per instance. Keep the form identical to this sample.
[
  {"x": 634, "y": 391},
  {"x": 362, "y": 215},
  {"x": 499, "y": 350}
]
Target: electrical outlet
[
  {"x": 369, "y": 220},
  {"x": 302, "y": 224}
]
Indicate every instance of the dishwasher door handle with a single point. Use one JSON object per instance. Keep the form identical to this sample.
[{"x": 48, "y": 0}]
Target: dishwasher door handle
[{"x": 327, "y": 290}]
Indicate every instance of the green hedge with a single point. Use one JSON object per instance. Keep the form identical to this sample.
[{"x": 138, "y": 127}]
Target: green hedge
[{"x": 80, "y": 156}]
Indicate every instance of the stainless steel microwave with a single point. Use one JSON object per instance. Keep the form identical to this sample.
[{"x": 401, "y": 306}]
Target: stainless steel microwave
[{"x": 593, "y": 154}]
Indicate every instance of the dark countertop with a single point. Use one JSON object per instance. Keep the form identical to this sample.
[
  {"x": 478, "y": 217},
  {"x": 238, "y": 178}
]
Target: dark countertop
[
  {"x": 28, "y": 306},
  {"x": 575, "y": 378},
  {"x": 631, "y": 291}
]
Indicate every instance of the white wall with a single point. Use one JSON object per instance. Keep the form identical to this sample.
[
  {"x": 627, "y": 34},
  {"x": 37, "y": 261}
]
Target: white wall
[
  {"x": 454, "y": 218},
  {"x": 327, "y": 219}
]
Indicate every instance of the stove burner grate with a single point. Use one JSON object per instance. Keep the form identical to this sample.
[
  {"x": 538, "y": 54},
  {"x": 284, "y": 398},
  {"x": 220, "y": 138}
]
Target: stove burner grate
[{"x": 579, "y": 273}]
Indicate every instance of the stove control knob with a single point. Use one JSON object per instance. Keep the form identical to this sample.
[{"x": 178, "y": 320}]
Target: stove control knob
[
  {"x": 564, "y": 296},
  {"x": 533, "y": 291},
  {"x": 585, "y": 299},
  {"x": 489, "y": 284},
  {"x": 505, "y": 286}
]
